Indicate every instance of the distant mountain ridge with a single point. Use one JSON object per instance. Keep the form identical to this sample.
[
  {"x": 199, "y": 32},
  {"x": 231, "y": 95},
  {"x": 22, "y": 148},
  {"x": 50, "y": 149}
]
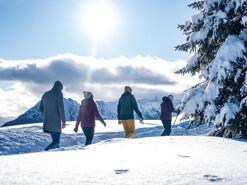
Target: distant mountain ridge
[
  {"x": 34, "y": 116},
  {"x": 5, "y": 119},
  {"x": 150, "y": 109}
]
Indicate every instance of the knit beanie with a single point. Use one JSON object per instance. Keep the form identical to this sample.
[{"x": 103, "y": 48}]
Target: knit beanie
[
  {"x": 170, "y": 96},
  {"x": 127, "y": 89},
  {"x": 87, "y": 94}
]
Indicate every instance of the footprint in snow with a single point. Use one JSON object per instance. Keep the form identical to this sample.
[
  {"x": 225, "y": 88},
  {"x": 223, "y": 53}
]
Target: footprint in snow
[
  {"x": 121, "y": 171},
  {"x": 213, "y": 178},
  {"x": 185, "y": 156}
]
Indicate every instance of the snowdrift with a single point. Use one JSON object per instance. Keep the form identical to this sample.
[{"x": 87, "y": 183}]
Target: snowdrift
[{"x": 146, "y": 159}]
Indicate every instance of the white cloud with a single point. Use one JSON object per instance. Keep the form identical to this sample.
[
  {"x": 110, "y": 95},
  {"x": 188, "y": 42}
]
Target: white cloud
[
  {"x": 106, "y": 78},
  {"x": 15, "y": 100}
]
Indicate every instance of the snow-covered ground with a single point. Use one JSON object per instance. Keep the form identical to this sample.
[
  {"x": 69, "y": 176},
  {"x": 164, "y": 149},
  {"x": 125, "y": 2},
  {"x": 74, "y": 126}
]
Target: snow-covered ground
[{"x": 182, "y": 158}]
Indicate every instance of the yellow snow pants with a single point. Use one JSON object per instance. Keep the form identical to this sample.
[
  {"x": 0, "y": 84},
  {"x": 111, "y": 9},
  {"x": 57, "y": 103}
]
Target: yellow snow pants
[{"x": 129, "y": 128}]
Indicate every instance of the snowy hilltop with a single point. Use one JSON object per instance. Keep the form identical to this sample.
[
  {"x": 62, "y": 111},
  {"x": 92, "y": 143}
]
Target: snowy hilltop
[
  {"x": 150, "y": 109},
  {"x": 185, "y": 157}
]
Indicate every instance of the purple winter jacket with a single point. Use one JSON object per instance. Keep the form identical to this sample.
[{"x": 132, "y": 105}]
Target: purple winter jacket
[
  {"x": 87, "y": 113},
  {"x": 166, "y": 109}
]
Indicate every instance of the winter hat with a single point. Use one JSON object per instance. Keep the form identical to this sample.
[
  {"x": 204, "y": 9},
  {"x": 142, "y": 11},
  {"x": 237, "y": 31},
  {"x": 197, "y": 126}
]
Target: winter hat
[
  {"x": 170, "y": 96},
  {"x": 58, "y": 85},
  {"x": 87, "y": 94},
  {"x": 127, "y": 89}
]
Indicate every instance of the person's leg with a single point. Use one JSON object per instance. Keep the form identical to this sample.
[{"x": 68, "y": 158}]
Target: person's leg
[
  {"x": 126, "y": 128},
  {"x": 55, "y": 140},
  {"x": 131, "y": 128},
  {"x": 85, "y": 131},
  {"x": 89, "y": 133},
  {"x": 131, "y": 124},
  {"x": 163, "y": 133},
  {"x": 167, "y": 127}
]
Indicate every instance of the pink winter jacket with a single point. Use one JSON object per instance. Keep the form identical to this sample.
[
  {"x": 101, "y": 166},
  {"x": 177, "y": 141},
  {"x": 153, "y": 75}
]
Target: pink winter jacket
[{"x": 87, "y": 113}]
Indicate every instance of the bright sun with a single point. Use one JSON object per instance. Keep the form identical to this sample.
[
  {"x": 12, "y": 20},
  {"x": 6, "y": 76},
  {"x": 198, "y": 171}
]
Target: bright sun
[{"x": 99, "y": 19}]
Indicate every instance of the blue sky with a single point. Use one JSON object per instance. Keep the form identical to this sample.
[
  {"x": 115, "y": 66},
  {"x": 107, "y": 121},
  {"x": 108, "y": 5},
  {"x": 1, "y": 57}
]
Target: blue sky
[
  {"x": 42, "y": 41},
  {"x": 32, "y": 29}
]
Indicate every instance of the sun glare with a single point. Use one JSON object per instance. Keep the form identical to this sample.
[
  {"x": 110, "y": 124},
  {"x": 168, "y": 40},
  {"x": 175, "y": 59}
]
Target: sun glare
[{"x": 99, "y": 19}]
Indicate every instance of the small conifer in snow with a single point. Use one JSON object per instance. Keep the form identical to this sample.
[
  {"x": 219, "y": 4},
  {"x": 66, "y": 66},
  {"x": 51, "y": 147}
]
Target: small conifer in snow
[{"x": 217, "y": 37}]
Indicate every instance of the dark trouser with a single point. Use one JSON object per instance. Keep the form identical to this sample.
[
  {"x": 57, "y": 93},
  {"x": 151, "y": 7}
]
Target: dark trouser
[
  {"x": 55, "y": 140},
  {"x": 167, "y": 127},
  {"x": 89, "y": 132}
]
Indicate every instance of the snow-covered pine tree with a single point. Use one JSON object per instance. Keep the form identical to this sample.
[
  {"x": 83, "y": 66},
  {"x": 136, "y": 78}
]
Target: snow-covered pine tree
[{"x": 217, "y": 37}]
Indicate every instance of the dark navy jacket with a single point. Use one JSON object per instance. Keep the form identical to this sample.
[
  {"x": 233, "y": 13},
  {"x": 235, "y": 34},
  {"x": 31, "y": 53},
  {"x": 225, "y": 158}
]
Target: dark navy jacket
[
  {"x": 166, "y": 109},
  {"x": 126, "y": 107}
]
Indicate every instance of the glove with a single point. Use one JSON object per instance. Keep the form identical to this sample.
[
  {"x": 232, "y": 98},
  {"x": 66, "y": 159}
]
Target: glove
[
  {"x": 178, "y": 111},
  {"x": 119, "y": 122},
  {"x": 76, "y": 129},
  {"x": 141, "y": 120},
  {"x": 63, "y": 125},
  {"x": 104, "y": 124}
]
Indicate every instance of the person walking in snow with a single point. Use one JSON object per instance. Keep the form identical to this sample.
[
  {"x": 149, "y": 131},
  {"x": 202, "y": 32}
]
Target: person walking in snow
[
  {"x": 166, "y": 114},
  {"x": 87, "y": 113},
  {"x": 52, "y": 108},
  {"x": 125, "y": 110}
]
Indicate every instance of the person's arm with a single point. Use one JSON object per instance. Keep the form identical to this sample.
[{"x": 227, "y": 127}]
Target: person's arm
[
  {"x": 118, "y": 110},
  {"x": 78, "y": 121},
  {"x": 61, "y": 108},
  {"x": 41, "y": 106},
  {"x": 171, "y": 108},
  {"x": 135, "y": 107},
  {"x": 97, "y": 115}
]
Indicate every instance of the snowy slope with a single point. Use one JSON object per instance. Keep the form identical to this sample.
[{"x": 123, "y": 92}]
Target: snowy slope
[
  {"x": 146, "y": 159},
  {"x": 30, "y": 138},
  {"x": 150, "y": 108},
  {"x": 108, "y": 110}
]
